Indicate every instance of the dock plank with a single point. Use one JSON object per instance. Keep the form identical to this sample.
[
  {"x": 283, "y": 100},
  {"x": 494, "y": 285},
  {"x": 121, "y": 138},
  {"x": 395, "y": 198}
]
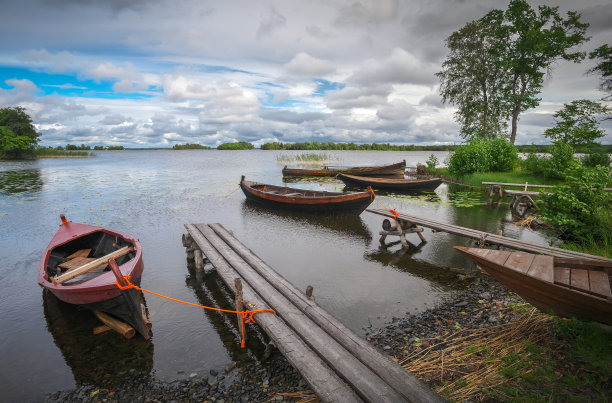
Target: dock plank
[{"x": 322, "y": 379}]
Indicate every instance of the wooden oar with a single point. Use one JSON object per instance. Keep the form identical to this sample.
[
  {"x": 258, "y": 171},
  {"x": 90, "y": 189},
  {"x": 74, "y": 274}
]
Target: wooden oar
[{"x": 91, "y": 265}]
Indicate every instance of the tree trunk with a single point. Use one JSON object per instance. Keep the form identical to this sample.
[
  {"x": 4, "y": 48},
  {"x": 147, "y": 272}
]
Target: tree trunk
[{"x": 515, "y": 115}]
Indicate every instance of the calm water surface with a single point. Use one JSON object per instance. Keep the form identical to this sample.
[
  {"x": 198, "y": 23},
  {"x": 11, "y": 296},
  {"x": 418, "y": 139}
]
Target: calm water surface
[{"x": 47, "y": 345}]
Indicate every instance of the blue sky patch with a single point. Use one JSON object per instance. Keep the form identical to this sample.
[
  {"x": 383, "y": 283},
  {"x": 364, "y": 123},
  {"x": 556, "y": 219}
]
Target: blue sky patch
[
  {"x": 67, "y": 85},
  {"x": 324, "y": 86}
]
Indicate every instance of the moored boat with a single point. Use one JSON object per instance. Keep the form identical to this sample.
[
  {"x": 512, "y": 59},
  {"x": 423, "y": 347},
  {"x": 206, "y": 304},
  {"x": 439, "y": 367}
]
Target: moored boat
[
  {"x": 391, "y": 183},
  {"x": 306, "y": 200},
  {"x": 82, "y": 264},
  {"x": 380, "y": 170},
  {"x": 569, "y": 287}
]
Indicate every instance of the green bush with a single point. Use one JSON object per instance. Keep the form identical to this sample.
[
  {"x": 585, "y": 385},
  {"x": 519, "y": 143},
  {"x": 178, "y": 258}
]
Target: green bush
[
  {"x": 596, "y": 159},
  {"x": 553, "y": 165},
  {"x": 580, "y": 208},
  {"x": 479, "y": 155},
  {"x": 503, "y": 155}
]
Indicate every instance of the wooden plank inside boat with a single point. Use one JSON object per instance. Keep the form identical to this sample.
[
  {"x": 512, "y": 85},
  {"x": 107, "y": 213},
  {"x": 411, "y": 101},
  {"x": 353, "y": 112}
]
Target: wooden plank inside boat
[
  {"x": 496, "y": 256},
  {"x": 562, "y": 275},
  {"x": 520, "y": 262},
  {"x": 542, "y": 268},
  {"x": 79, "y": 253},
  {"x": 76, "y": 262},
  {"x": 580, "y": 279},
  {"x": 600, "y": 283}
]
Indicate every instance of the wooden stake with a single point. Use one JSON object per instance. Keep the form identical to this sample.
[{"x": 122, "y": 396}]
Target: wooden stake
[
  {"x": 199, "y": 261},
  {"x": 239, "y": 306}
]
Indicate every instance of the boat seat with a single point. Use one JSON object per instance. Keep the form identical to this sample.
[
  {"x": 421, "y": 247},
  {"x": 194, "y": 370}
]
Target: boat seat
[
  {"x": 591, "y": 281},
  {"x": 291, "y": 194}
]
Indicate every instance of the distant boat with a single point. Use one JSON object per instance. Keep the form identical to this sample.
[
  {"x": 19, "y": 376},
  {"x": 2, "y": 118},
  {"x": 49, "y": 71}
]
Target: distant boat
[
  {"x": 380, "y": 170},
  {"x": 75, "y": 267},
  {"x": 568, "y": 286},
  {"x": 306, "y": 200},
  {"x": 391, "y": 183}
]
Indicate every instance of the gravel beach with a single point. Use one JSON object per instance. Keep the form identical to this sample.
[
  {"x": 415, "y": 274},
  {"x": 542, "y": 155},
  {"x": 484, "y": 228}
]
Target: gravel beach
[{"x": 482, "y": 304}]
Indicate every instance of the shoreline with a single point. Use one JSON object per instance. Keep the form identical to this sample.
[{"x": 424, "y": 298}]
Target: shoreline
[{"x": 276, "y": 380}]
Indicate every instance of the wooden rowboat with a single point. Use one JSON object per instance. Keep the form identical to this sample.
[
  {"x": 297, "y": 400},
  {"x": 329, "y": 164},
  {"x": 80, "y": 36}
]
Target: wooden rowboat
[
  {"x": 82, "y": 264},
  {"x": 306, "y": 200},
  {"x": 381, "y": 170},
  {"x": 569, "y": 287},
  {"x": 391, "y": 183}
]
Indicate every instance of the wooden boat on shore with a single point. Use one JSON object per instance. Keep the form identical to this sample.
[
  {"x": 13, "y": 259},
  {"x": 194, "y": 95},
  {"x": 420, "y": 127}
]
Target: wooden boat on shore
[
  {"x": 391, "y": 183},
  {"x": 380, "y": 170},
  {"x": 570, "y": 287},
  {"x": 82, "y": 264},
  {"x": 306, "y": 200}
]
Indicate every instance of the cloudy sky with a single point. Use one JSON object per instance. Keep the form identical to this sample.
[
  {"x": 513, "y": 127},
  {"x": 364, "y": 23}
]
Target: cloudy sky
[{"x": 153, "y": 73}]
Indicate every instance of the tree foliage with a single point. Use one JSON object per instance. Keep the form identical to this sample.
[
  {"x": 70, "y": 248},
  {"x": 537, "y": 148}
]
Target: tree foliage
[
  {"x": 240, "y": 145},
  {"x": 497, "y": 64},
  {"x": 578, "y": 123},
  {"x": 580, "y": 208},
  {"x": 17, "y": 134},
  {"x": 604, "y": 67},
  {"x": 472, "y": 78},
  {"x": 480, "y": 155}
]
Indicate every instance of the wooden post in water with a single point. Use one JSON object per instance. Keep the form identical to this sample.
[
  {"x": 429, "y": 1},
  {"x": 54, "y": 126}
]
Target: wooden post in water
[
  {"x": 118, "y": 326},
  {"x": 240, "y": 307},
  {"x": 309, "y": 295},
  {"x": 199, "y": 261}
]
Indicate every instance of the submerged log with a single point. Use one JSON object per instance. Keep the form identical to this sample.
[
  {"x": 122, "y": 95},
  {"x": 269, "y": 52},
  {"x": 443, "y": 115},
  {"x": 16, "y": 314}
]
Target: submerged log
[{"x": 118, "y": 326}]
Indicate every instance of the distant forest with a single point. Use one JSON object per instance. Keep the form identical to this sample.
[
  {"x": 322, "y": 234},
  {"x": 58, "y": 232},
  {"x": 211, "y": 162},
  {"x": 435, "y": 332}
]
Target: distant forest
[{"x": 315, "y": 145}]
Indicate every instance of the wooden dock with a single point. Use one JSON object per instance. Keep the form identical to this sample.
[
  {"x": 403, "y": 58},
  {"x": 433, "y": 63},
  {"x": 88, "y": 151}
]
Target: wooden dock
[
  {"x": 412, "y": 222},
  {"x": 338, "y": 365}
]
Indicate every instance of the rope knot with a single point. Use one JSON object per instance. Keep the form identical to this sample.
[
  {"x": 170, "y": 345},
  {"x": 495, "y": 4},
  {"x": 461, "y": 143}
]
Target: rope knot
[{"x": 125, "y": 287}]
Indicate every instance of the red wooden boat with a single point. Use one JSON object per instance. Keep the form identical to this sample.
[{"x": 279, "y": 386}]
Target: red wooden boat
[
  {"x": 380, "y": 170},
  {"x": 82, "y": 264},
  {"x": 306, "y": 200},
  {"x": 391, "y": 183},
  {"x": 567, "y": 286}
]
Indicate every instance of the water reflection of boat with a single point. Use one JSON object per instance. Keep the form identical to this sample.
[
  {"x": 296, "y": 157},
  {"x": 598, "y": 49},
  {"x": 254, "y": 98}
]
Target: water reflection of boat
[
  {"x": 402, "y": 260},
  {"x": 20, "y": 181},
  {"x": 100, "y": 359},
  {"x": 393, "y": 169},
  {"x": 347, "y": 224},
  {"x": 304, "y": 199},
  {"x": 75, "y": 268}
]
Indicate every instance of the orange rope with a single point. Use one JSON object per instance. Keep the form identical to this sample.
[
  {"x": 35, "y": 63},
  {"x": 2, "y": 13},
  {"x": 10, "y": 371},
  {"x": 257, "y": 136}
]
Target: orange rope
[
  {"x": 248, "y": 315},
  {"x": 232, "y": 192},
  {"x": 395, "y": 213}
]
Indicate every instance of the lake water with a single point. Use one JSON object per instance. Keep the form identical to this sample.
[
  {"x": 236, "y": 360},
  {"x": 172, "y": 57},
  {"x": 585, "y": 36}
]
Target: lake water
[{"x": 47, "y": 345}]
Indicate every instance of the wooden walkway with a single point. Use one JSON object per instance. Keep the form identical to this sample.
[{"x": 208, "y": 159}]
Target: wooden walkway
[
  {"x": 486, "y": 237},
  {"x": 338, "y": 365}
]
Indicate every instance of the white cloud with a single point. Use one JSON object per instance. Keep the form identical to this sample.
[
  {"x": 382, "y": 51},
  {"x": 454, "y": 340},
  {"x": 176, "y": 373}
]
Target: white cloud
[{"x": 304, "y": 64}]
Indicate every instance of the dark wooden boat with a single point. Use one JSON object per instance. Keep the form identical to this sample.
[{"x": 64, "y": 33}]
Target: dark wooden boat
[
  {"x": 381, "y": 170},
  {"x": 306, "y": 200},
  {"x": 77, "y": 267},
  {"x": 391, "y": 183},
  {"x": 570, "y": 287}
]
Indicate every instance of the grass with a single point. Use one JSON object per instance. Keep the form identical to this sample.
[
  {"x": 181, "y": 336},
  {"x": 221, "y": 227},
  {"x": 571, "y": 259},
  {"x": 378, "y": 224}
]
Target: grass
[
  {"x": 50, "y": 153},
  {"x": 303, "y": 158},
  {"x": 515, "y": 176},
  {"x": 602, "y": 247},
  {"x": 536, "y": 357}
]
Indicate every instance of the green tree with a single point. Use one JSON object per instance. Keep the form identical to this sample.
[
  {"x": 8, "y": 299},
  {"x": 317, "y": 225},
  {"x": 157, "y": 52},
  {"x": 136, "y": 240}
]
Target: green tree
[
  {"x": 497, "y": 64},
  {"x": 18, "y": 137},
  {"x": 532, "y": 42},
  {"x": 604, "y": 55},
  {"x": 472, "y": 78},
  {"x": 578, "y": 123}
]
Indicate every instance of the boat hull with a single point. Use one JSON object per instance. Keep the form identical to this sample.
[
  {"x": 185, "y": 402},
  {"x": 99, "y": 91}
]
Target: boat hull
[
  {"x": 391, "y": 183},
  {"x": 99, "y": 291},
  {"x": 547, "y": 296},
  {"x": 306, "y": 200},
  {"x": 383, "y": 170}
]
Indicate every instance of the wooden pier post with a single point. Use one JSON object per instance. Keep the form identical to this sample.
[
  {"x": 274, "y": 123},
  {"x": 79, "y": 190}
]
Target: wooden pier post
[
  {"x": 240, "y": 306},
  {"x": 199, "y": 261}
]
